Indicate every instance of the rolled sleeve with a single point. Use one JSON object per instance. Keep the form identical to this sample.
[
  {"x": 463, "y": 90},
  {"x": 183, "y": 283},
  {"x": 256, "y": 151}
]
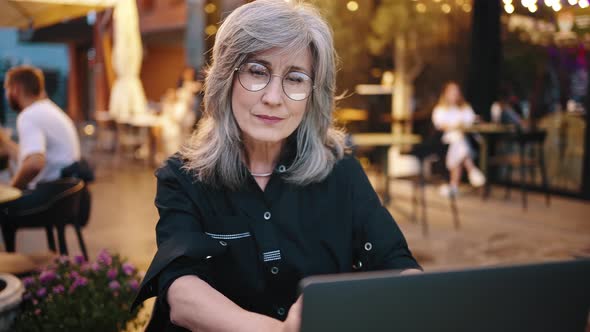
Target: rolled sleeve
[
  {"x": 30, "y": 136},
  {"x": 183, "y": 247},
  {"x": 380, "y": 244}
]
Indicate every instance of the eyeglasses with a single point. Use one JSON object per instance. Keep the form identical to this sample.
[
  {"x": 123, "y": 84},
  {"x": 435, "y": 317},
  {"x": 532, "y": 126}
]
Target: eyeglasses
[{"x": 254, "y": 77}]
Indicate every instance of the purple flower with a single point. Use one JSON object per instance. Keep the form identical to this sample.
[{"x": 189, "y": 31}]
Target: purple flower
[
  {"x": 133, "y": 284},
  {"x": 37, "y": 312},
  {"x": 78, "y": 282},
  {"x": 74, "y": 275},
  {"x": 58, "y": 289},
  {"x": 47, "y": 276},
  {"x": 105, "y": 258},
  {"x": 72, "y": 288},
  {"x": 95, "y": 267},
  {"x": 28, "y": 281},
  {"x": 41, "y": 292},
  {"x": 112, "y": 273},
  {"x": 84, "y": 267},
  {"x": 81, "y": 281},
  {"x": 35, "y": 302},
  {"x": 128, "y": 268},
  {"x": 27, "y": 296},
  {"x": 114, "y": 285},
  {"x": 79, "y": 259}
]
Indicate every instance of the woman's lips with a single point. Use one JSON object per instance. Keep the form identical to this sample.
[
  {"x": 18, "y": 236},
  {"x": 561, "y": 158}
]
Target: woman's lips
[{"x": 268, "y": 119}]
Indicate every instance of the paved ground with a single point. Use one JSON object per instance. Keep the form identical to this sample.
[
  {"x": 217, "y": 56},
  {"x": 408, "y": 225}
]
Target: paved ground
[{"x": 492, "y": 232}]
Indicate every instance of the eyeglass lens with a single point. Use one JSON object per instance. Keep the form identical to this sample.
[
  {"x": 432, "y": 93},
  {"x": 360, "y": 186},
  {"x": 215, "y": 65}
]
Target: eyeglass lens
[{"x": 255, "y": 77}]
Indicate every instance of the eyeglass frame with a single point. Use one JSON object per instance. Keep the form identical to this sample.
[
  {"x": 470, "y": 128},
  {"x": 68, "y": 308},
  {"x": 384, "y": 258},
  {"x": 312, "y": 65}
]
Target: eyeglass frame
[{"x": 282, "y": 77}]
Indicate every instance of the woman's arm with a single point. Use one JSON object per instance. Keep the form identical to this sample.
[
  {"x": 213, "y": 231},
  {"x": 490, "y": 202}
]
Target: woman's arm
[{"x": 197, "y": 306}]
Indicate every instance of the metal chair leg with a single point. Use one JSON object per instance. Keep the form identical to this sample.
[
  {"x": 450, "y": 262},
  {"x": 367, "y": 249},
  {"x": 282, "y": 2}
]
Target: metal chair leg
[
  {"x": 510, "y": 179},
  {"x": 9, "y": 237},
  {"x": 81, "y": 241},
  {"x": 50, "y": 238},
  {"x": 544, "y": 176},
  {"x": 61, "y": 238},
  {"x": 455, "y": 212},
  {"x": 414, "y": 201},
  {"x": 422, "y": 185},
  {"x": 523, "y": 177}
]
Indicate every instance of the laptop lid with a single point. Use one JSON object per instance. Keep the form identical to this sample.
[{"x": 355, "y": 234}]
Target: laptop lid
[{"x": 542, "y": 297}]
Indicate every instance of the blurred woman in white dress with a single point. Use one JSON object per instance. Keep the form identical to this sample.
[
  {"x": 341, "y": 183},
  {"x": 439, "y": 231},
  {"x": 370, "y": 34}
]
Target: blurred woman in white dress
[{"x": 452, "y": 115}]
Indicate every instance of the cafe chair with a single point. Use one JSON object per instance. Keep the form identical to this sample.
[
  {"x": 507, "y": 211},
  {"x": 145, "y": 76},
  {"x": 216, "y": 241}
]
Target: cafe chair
[
  {"x": 62, "y": 208},
  {"x": 427, "y": 154},
  {"x": 528, "y": 158}
]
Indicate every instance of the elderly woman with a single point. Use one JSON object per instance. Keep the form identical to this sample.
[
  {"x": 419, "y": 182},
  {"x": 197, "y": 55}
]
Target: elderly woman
[{"x": 263, "y": 194}]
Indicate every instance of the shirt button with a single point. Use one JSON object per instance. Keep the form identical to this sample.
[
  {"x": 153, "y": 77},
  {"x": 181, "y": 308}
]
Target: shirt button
[
  {"x": 368, "y": 246},
  {"x": 281, "y": 311},
  {"x": 274, "y": 270},
  {"x": 282, "y": 169},
  {"x": 266, "y": 215},
  {"x": 223, "y": 243}
]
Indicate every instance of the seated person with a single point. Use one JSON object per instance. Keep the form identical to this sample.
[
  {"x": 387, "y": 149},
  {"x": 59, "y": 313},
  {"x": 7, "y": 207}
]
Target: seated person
[
  {"x": 507, "y": 111},
  {"x": 263, "y": 194},
  {"x": 451, "y": 116},
  {"x": 48, "y": 140}
]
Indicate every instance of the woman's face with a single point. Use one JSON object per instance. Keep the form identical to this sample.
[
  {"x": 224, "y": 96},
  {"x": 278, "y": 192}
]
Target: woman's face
[
  {"x": 268, "y": 115},
  {"x": 452, "y": 94}
]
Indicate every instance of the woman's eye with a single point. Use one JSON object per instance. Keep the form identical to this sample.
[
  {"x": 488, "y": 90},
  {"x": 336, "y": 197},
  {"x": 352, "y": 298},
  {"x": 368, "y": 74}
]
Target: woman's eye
[
  {"x": 257, "y": 70},
  {"x": 295, "y": 78}
]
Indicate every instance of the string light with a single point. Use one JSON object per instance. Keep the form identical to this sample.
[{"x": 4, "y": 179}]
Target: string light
[
  {"x": 533, "y": 8},
  {"x": 466, "y": 7},
  {"x": 556, "y": 6},
  {"x": 210, "y": 8},
  {"x": 509, "y": 8},
  {"x": 573, "y": 2},
  {"x": 421, "y": 8},
  {"x": 446, "y": 8},
  {"x": 584, "y": 4},
  {"x": 353, "y": 6}
]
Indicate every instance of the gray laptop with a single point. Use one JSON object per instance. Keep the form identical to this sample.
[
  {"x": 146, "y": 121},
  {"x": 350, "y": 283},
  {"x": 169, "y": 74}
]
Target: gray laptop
[{"x": 552, "y": 297}]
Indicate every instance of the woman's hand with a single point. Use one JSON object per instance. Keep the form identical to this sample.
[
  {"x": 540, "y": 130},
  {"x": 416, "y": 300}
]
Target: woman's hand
[{"x": 293, "y": 322}]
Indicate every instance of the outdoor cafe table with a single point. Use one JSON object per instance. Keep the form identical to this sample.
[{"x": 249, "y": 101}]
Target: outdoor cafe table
[
  {"x": 385, "y": 140},
  {"x": 490, "y": 133},
  {"x": 8, "y": 193}
]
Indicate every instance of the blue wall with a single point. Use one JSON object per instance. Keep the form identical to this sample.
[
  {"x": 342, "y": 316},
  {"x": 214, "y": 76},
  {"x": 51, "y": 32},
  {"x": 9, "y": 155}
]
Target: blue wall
[{"x": 52, "y": 57}]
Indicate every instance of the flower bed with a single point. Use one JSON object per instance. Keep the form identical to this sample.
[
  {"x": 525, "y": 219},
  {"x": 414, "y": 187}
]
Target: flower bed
[{"x": 74, "y": 295}]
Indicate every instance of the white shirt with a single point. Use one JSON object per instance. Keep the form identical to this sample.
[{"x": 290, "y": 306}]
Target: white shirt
[
  {"x": 44, "y": 128},
  {"x": 445, "y": 117}
]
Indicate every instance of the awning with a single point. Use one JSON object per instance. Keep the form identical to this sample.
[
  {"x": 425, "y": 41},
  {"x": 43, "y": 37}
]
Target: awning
[{"x": 40, "y": 13}]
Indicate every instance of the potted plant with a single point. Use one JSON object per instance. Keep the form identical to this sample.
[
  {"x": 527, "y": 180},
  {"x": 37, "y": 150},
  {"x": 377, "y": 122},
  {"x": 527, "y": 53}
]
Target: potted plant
[{"x": 75, "y": 295}]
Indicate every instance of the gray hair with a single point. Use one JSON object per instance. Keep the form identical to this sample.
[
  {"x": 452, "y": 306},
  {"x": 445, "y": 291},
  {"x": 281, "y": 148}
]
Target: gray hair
[{"x": 215, "y": 152}]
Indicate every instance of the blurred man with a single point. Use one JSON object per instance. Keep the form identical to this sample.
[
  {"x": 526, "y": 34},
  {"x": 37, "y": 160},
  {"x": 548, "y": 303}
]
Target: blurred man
[{"x": 48, "y": 140}]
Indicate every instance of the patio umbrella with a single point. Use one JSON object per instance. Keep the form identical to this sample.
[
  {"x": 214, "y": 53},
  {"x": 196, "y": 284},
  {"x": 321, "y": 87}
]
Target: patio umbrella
[
  {"x": 24, "y": 14},
  {"x": 127, "y": 95}
]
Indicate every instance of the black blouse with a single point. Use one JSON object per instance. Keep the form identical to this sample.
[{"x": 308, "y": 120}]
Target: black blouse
[{"x": 254, "y": 246}]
